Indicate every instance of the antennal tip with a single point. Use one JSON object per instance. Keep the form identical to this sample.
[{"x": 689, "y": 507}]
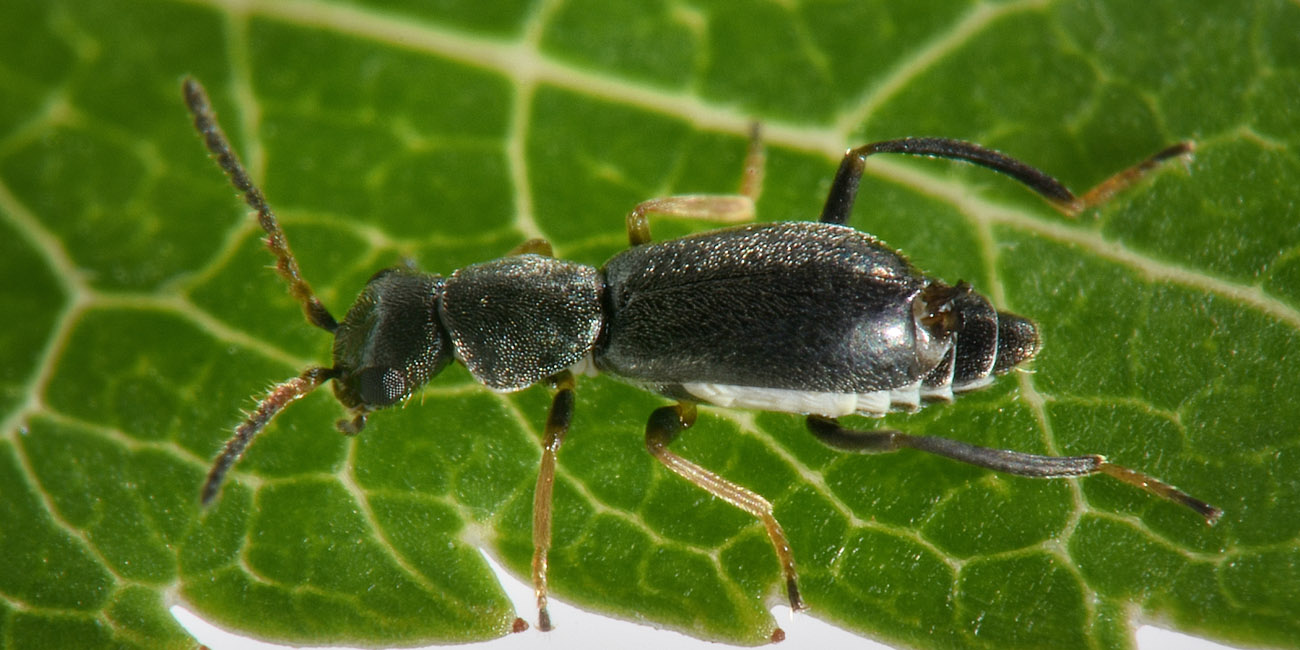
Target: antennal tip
[
  {"x": 196, "y": 97},
  {"x": 211, "y": 488}
]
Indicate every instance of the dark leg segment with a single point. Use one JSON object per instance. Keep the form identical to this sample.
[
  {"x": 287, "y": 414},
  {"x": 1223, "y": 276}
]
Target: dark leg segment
[
  {"x": 664, "y": 426},
  {"x": 844, "y": 189},
  {"x": 206, "y": 123},
  {"x": 353, "y": 426},
  {"x": 557, "y": 424},
  {"x": 280, "y": 397},
  {"x": 1001, "y": 460}
]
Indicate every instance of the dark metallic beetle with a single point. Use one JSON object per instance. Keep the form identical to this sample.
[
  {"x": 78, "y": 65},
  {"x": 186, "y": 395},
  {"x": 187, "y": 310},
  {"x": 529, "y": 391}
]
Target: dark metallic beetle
[{"x": 800, "y": 317}]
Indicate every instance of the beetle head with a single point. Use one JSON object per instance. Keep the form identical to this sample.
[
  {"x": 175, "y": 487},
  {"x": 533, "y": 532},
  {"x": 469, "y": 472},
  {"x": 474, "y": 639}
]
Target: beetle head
[{"x": 390, "y": 343}]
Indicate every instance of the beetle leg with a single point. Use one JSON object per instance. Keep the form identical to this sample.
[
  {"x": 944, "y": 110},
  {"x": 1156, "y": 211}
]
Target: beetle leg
[
  {"x": 844, "y": 189},
  {"x": 353, "y": 426},
  {"x": 1109, "y": 187},
  {"x": 1001, "y": 460},
  {"x": 664, "y": 426},
  {"x": 557, "y": 424},
  {"x": 725, "y": 208},
  {"x": 536, "y": 246},
  {"x": 751, "y": 182}
]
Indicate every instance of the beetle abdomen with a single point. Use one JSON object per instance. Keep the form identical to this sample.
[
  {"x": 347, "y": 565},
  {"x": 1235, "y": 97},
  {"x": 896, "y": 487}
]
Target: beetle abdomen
[
  {"x": 795, "y": 305},
  {"x": 985, "y": 343},
  {"x": 798, "y": 317}
]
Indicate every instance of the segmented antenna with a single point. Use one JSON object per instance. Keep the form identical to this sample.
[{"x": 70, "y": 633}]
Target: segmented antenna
[
  {"x": 279, "y": 397},
  {"x": 196, "y": 98}
]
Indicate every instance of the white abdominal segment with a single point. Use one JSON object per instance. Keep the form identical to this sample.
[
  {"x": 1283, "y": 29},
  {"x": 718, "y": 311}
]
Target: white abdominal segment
[
  {"x": 830, "y": 405},
  {"x": 975, "y": 384}
]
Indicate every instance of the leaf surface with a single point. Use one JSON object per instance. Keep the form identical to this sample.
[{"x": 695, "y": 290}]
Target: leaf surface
[{"x": 142, "y": 316}]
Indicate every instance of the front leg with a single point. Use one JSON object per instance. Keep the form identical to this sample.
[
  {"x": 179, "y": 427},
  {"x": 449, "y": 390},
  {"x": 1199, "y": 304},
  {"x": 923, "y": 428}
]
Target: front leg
[{"x": 557, "y": 424}]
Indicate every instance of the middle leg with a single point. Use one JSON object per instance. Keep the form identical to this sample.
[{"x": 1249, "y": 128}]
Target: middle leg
[
  {"x": 726, "y": 208},
  {"x": 557, "y": 424}
]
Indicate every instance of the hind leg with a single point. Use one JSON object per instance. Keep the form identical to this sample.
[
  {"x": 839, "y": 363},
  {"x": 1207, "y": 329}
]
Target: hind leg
[{"x": 1002, "y": 460}]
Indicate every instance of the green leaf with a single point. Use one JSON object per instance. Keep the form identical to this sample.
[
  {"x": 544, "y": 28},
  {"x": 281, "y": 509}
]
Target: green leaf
[{"x": 142, "y": 317}]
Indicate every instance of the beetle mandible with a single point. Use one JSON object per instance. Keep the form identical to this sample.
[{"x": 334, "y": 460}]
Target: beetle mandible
[{"x": 814, "y": 318}]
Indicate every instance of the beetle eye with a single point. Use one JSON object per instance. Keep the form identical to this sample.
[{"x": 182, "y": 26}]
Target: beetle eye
[{"x": 382, "y": 386}]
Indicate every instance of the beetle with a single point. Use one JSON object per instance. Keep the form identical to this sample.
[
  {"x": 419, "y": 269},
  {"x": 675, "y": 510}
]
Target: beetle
[{"x": 814, "y": 318}]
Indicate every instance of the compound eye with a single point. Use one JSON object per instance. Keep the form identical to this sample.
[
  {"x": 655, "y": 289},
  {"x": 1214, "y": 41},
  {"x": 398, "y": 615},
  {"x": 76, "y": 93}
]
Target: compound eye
[{"x": 382, "y": 386}]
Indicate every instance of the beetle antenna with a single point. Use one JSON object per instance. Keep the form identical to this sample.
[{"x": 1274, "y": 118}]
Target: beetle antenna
[
  {"x": 196, "y": 98},
  {"x": 279, "y": 397}
]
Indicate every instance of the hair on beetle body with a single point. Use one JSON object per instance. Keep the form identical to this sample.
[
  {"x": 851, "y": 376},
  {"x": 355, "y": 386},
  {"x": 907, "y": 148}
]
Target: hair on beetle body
[{"x": 813, "y": 318}]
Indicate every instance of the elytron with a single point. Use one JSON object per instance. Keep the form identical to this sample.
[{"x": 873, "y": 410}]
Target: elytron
[{"x": 813, "y": 318}]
